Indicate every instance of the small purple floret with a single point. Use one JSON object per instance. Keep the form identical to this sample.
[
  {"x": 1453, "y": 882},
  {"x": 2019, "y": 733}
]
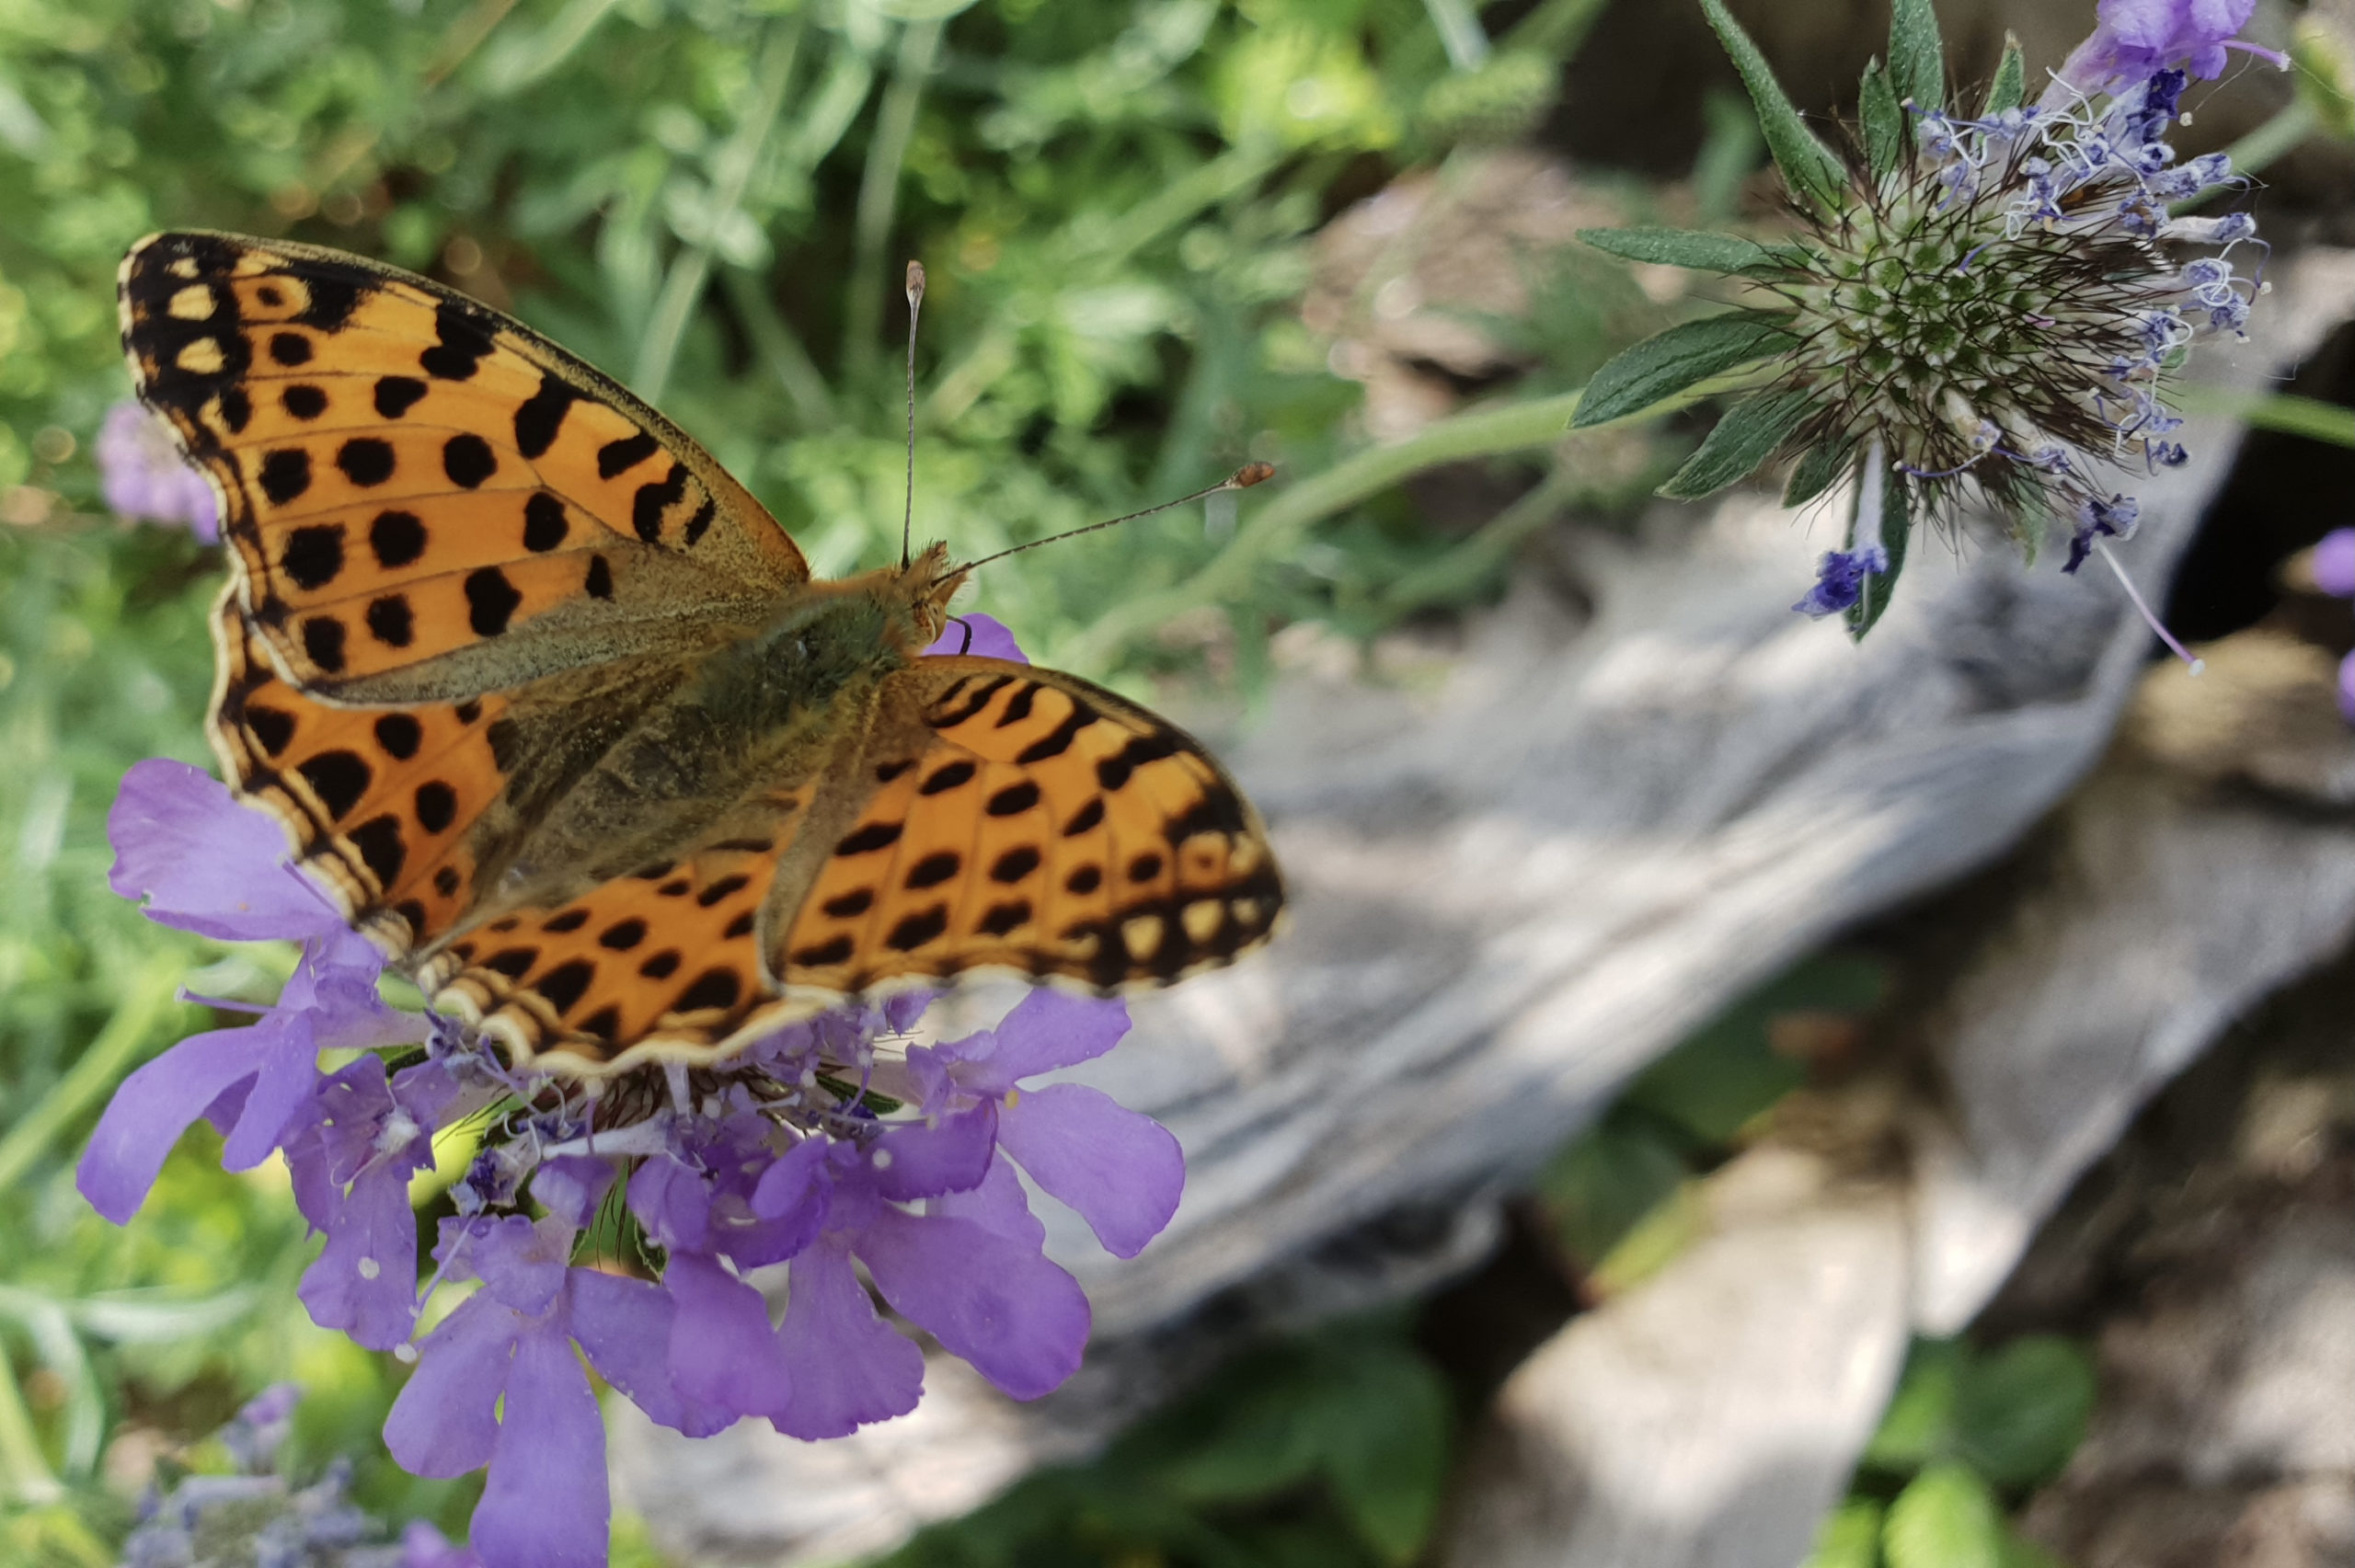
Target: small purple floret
[
  {"x": 989, "y": 639},
  {"x": 2334, "y": 563},
  {"x": 1839, "y": 580}
]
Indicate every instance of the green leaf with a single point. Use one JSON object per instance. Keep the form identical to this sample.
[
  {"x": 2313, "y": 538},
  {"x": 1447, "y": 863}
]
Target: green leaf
[
  {"x": 1849, "y": 1538},
  {"x": 1918, "y": 1426},
  {"x": 1917, "y": 61},
  {"x": 1818, "y": 469},
  {"x": 1808, "y": 165},
  {"x": 1385, "y": 1435},
  {"x": 2020, "y": 1413},
  {"x": 1746, "y": 438},
  {"x": 2009, "y": 89},
  {"x": 1945, "y": 1518},
  {"x": 1698, "y": 249},
  {"x": 1885, "y": 141},
  {"x": 1896, "y": 532},
  {"x": 1686, "y": 355}
]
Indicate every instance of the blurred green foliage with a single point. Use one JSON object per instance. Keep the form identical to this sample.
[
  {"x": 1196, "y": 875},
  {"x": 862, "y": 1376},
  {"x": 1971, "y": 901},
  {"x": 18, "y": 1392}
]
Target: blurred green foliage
[
  {"x": 1329, "y": 1451},
  {"x": 711, "y": 199},
  {"x": 1969, "y": 1431}
]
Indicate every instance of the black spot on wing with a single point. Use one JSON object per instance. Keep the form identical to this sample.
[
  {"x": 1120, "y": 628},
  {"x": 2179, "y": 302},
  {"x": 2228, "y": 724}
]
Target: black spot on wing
[
  {"x": 539, "y": 417},
  {"x": 338, "y": 778},
  {"x": 463, "y": 343}
]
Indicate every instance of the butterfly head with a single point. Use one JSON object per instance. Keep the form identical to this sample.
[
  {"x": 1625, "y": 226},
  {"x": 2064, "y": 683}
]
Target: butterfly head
[{"x": 925, "y": 584}]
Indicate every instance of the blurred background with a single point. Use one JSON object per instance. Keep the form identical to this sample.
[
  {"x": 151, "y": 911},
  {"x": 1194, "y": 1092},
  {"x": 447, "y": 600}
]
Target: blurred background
[{"x": 1164, "y": 237}]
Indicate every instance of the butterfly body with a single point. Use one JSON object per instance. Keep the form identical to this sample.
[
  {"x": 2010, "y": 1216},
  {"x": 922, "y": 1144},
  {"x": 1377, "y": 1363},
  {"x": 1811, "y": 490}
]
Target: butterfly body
[{"x": 555, "y": 710}]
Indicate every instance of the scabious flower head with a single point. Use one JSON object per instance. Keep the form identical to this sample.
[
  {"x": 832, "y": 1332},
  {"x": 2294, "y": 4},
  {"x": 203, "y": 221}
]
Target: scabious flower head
[
  {"x": 1993, "y": 304},
  {"x": 643, "y": 1227},
  {"x": 143, "y": 474}
]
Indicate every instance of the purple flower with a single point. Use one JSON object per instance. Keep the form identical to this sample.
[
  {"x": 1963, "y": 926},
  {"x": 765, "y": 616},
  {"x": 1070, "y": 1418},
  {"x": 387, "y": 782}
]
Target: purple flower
[
  {"x": 205, "y": 863},
  {"x": 982, "y": 636},
  {"x": 143, "y": 474},
  {"x": 1121, "y": 1171},
  {"x": 351, "y": 1152},
  {"x": 2347, "y": 687},
  {"x": 2133, "y": 39},
  {"x": 2334, "y": 563},
  {"x": 498, "y": 1384},
  {"x": 987, "y": 1294},
  {"x": 1839, "y": 580},
  {"x": 2116, "y": 517}
]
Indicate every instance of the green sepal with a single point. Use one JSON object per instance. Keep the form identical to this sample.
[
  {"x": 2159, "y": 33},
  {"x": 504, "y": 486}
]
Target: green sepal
[
  {"x": 1695, "y": 248},
  {"x": 1896, "y": 530},
  {"x": 1808, "y": 165},
  {"x": 1885, "y": 141},
  {"x": 1917, "y": 59},
  {"x": 1746, "y": 438},
  {"x": 1685, "y": 356},
  {"x": 1818, "y": 469},
  {"x": 2009, "y": 89}
]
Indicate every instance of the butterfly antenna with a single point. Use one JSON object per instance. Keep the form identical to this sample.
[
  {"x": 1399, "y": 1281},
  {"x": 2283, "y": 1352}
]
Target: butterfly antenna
[
  {"x": 916, "y": 308},
  {"x": 1243, "y": 478}
]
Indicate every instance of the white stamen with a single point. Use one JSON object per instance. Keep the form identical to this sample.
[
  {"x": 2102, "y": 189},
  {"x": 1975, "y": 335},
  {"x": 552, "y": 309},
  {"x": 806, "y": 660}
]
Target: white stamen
[{"x": 2133, "y": 593}]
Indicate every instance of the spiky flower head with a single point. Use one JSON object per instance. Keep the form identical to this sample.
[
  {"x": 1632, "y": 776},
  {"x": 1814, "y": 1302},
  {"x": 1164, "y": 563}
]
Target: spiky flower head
[{"x": 1989, "y": 303}]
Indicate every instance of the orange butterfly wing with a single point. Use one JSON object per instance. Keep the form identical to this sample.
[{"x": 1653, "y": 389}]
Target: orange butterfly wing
[
  {"x": 425, "y": 498},
  {"x": 1021, "y": 819}
]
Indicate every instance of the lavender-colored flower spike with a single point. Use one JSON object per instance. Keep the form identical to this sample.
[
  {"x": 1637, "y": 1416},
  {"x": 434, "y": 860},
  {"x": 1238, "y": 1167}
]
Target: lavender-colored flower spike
[
  {"x": 2134, "y": 39},
  {"x": 143, "y": 474}
]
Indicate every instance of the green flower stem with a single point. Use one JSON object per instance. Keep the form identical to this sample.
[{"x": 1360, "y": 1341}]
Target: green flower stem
[
  {"x": 2283, "y": 411},
  {"x": 1276, "y": 528},
  {"x": 2291, "y": 125},
  {"x": 683, "y": 289},
  {"x": 144, "y": 1002},
  {"x": 1469, "y": 563},
  {"x": 879, "y": 195},
  {"x": 27, "y": 1476}
]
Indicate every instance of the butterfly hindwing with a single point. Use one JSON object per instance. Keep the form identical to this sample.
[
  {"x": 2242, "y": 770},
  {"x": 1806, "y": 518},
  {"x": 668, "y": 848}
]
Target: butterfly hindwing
[
  {"x": 426, "y": 498},
  {"x": 663, "y": 963},
  {"x": 1021, "y": 819},
  {"x": 381, "y": 803}
]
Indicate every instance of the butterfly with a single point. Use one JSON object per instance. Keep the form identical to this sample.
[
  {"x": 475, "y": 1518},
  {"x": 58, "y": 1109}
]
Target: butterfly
[{"x": 555, "y": 710}]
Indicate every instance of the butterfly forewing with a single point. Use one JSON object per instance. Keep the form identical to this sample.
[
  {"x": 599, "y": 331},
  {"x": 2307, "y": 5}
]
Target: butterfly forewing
[{"x": 425, "y": 498}]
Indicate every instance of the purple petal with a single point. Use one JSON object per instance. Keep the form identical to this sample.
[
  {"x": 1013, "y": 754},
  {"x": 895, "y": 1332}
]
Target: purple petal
[
  {"x": 673, "y": 1203},
  {"x": 723, "y": 1352},
  {"x": 2334, "y": 563},
  {"x": 444, "y": 1423},
  {"x": 791, "y": 1186},
  {"x": 944, "y": 1154},
  {"x": 571, "y": 1186},
  {"x": 203, "y": 862},
  {"x": 286, "y": 1073},
  {"x": 1121, "y": 1171},
  {"x": 990, "y": 640},
  {"x": 1045, "y": 1031},
  {"x": 521, "y": 1263},
  {"x": 545, "y": 1502},
  {"x": 848, "y": 1366},
  {"x": 1017, "y": 1318},
  {"x": 151, "y": 1110},
  {"x": 624, "y": 1326},
  {"x": 365, "y": 1281},
  {"x": 999, "y": 1205}
]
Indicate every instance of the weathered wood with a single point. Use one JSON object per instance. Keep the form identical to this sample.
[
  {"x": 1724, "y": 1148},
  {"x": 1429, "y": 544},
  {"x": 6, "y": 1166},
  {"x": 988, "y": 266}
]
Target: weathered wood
[{"x": 1517, "y": 880}]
